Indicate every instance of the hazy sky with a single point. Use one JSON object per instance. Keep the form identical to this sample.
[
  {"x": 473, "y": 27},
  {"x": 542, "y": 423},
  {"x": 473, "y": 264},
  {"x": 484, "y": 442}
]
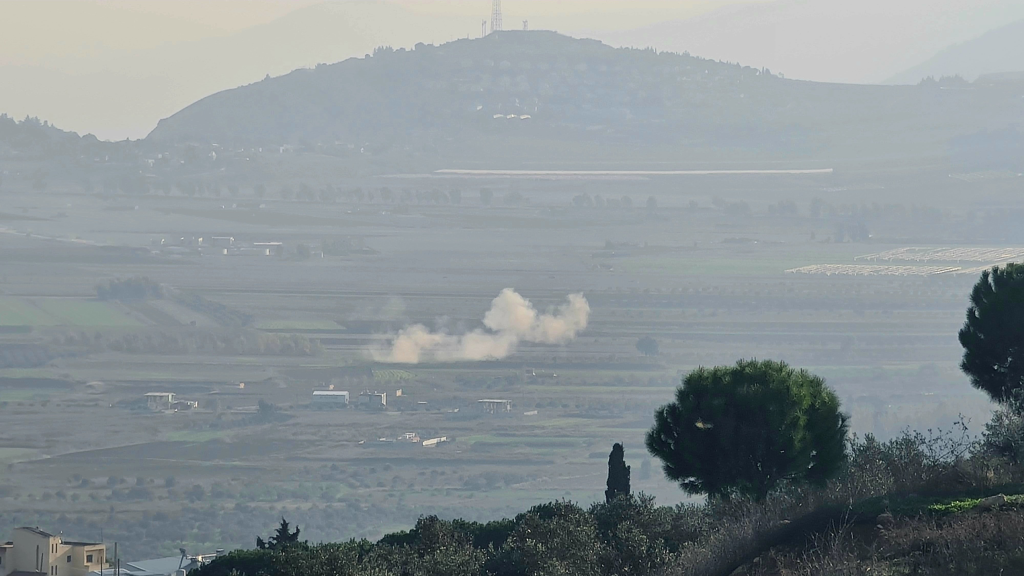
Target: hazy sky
[{"x": 115, "y": 67}]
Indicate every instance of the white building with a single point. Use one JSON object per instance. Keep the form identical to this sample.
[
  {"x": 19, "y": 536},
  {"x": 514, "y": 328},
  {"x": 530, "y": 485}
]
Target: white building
[{"x": 330, "y": 398}]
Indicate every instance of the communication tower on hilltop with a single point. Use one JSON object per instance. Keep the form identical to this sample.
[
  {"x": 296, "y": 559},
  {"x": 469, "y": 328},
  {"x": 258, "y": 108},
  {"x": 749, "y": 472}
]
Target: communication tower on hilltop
[
  {"x": 496, "y": 16},
  {"x": 526, "y": 25},
  {"x": 483, "y": 28}
]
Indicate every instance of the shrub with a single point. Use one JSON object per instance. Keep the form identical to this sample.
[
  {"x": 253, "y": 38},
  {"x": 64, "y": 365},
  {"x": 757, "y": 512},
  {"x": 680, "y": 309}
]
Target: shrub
[{"x": 1004, "y": 435}]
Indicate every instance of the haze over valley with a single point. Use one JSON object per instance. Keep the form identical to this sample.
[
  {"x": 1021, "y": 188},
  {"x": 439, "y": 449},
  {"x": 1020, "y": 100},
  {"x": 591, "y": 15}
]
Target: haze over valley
[{"x": 507, "y": 251}]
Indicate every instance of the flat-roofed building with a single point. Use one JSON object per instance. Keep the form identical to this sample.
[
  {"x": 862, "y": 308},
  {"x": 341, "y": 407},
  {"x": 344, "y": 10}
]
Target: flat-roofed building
[
  {"x": 330, "y": 399},
  {"x": 33, "y": 551}
]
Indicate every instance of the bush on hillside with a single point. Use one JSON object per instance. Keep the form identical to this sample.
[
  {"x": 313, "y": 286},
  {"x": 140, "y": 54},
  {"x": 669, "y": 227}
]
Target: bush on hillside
[{"x": 1003, "y": 437}]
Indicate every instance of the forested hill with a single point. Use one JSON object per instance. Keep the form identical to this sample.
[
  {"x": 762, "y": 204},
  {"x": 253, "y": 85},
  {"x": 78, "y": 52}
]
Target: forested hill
[
  {"x": 32, "y": 137},
  {"x": 471, "y": 96}
]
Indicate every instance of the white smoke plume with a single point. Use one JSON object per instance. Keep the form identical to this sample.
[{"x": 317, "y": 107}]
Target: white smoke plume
[{"x": 512, "y": 319}]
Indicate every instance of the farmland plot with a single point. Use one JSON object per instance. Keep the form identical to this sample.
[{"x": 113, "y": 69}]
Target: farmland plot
[{"x": 62, "y": 312}]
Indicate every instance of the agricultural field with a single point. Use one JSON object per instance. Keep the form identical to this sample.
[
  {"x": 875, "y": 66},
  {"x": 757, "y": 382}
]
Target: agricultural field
[
  {"x": 979, "y": 255},
  {"x": 20, "y": 312},
  {"x": 63, "y": 312},
  {"x": 703, "y": 271}
]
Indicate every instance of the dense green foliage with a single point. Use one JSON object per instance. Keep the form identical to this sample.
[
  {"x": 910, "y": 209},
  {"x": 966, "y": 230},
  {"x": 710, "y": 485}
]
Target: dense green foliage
[
  {"x": 630, "y": 535},
  {"x": 743, "y": 429},
  {"x": 618, "y": 474},
  {"x": 993, "y": 335}
]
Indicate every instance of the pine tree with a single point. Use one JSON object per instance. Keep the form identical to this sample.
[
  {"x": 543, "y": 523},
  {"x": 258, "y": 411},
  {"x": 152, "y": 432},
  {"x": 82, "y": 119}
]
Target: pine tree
[
  {"x": 993, "y": 335},
  {"x": 743, "y": 429},
  {"x": 618, "y": 474}
]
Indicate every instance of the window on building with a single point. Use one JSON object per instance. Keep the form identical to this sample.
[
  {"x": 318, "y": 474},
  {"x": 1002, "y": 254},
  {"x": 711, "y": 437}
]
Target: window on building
[
  {"x": 69, "y": 558},
  {"x": 88, "y": 558}
]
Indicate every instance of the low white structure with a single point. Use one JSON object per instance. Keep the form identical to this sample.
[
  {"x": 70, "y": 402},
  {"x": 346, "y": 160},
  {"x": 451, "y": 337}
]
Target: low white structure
[
  {"x": 434, "y": 442},
  {"x": 495, "y": 406},
  {"x": 330, "y": 398}
]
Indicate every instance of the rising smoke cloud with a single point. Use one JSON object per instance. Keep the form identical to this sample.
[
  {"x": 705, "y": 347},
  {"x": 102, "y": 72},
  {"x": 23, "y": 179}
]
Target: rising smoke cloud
[{"x": 512, "y": 319}]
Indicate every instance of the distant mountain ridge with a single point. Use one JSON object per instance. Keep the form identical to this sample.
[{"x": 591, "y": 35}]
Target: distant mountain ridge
[
  {"x": 515, "y": 90},
  {"x": 998, "y": 51}
]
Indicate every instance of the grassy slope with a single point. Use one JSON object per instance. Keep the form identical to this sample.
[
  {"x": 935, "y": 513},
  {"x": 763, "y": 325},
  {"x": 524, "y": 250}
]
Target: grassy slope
[{"x": 951, "y": 534}]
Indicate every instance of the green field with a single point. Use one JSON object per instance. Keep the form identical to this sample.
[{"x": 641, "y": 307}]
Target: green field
[
  {"x": 86, "y": 313},
  {"x": 19, "y": 312},
  {"x": 62, "y": 312}
]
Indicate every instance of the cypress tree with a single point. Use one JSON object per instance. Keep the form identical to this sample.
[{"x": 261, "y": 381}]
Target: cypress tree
[{"x": 618, "y": 474}]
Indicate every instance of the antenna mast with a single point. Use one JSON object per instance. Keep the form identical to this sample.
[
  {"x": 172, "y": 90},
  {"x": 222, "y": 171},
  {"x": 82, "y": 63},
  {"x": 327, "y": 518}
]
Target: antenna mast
[
  {"x": 496, "y": 16},
  {"x": 483, "y": 28}
]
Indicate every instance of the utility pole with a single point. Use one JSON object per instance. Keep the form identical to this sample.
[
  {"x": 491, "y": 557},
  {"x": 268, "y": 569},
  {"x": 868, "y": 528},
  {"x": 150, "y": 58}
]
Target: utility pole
[{"x": 496, "y": 16}]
